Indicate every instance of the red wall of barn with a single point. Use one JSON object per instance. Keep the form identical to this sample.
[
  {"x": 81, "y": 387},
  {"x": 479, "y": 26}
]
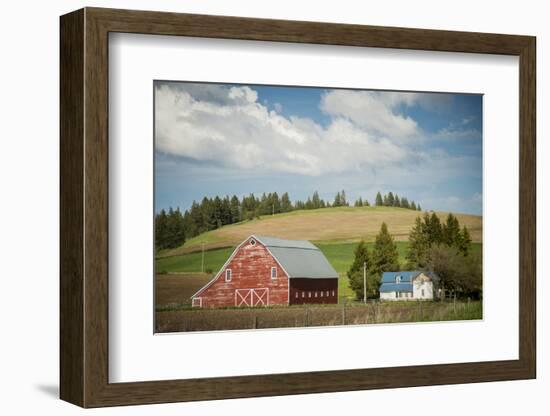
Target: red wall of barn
[
  {"x": 313, "y": 291},
  {"x": 250, "y": 269}
]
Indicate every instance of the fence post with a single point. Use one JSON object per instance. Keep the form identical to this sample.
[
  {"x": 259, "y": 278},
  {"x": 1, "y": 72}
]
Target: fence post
[{"x": 344, "y": 312}]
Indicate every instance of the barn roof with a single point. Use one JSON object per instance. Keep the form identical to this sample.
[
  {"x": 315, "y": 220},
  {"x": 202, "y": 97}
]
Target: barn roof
[{"x": 299, "y": 258}]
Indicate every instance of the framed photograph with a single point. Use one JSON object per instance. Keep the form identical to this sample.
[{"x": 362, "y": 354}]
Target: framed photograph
[{"x": 255, "y": 207}]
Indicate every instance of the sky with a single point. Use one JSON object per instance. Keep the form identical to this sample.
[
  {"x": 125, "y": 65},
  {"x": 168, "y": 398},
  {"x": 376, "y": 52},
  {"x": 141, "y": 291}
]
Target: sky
[{"x": 226, "y": 139}]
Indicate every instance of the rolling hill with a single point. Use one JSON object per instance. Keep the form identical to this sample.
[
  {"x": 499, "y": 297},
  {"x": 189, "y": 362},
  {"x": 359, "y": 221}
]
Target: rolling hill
[{"x": 325, "y": 226}]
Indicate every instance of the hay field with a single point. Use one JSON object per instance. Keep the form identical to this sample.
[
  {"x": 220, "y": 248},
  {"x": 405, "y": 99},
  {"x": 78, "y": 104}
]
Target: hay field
[{"x": 342, "y": 224}]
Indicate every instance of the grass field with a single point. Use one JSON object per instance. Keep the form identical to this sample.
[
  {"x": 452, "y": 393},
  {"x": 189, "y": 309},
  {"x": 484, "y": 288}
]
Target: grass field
[
  {"x": 314, "y": 316},
  {"x": 342, "y": 224},
  {"x": 340, "y": 255}
]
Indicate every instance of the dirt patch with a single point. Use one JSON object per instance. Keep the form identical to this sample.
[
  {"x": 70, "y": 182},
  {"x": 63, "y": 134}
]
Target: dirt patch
[{"x": 172, "y": 289}]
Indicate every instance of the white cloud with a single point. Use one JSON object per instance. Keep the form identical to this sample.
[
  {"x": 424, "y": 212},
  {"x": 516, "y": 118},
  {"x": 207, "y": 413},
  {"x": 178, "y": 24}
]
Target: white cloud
[
  {"x": 373, "y": 111},
  {"x": 229, "y": 127}
]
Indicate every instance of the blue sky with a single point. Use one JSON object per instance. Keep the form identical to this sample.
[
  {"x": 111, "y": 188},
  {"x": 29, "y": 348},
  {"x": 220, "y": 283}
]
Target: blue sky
[{"x": 225, "y": 139}]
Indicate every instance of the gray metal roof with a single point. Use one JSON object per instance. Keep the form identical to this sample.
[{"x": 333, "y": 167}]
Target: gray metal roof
[{"x": 299, "y": 258}]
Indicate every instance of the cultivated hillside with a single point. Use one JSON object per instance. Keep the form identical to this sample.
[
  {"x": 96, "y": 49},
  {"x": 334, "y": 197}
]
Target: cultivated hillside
[{"x": 328, "y": 224}]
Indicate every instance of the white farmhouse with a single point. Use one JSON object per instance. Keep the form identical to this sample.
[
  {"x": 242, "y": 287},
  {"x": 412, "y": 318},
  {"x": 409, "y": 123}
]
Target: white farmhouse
[{"x": 415, "y": 285}]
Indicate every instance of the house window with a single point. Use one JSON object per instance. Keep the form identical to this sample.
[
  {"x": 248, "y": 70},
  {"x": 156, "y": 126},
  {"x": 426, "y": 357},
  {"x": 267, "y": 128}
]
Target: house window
[
  {"x": 397, "y": 279},
  {"x": 422, "y": 292},
  {"x": 396, "y": 294},
  {"x": 228, "y": 275},
  {"x": 273, "y": 272}
]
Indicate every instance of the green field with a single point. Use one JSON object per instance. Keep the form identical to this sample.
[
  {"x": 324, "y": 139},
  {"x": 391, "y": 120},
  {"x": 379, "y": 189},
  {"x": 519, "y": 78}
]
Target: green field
[{"x": 340, "y": 255}]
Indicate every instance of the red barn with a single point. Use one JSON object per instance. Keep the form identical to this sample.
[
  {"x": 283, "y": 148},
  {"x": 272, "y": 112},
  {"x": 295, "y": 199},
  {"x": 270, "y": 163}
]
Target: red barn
[{"x": 264, "y": 271}]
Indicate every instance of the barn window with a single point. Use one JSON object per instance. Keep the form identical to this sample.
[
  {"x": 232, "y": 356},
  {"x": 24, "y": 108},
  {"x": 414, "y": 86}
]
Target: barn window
[
  {"x": 308, "y": 294},
  {"x": 315, "y": 294},
  {"x": 322, "y": 293},
  {"x": 296, "y": 295},
  {"x": 328, "y": 294},
  {"x": 228, "y": 275},
  {"x": 252, "y": 242},
  {"x": 333, "y": 293},
  {"x": 273, "y": 272},
  {"x": 303, "y": 294}
]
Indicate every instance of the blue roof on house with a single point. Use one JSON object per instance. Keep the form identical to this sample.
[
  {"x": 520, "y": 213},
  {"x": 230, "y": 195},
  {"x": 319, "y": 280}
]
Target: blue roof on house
[
  {"x": 393, "y": 287},
  {"x": 405, "y": 276},
  {"x": 404, "y": 280}
]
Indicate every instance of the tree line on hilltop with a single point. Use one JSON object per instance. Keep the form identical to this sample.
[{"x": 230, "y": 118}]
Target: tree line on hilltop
[
  {"x": 443, "y": 248},
  {"x": 173, "y": 227},
  {"x": 393, "y": 200}
]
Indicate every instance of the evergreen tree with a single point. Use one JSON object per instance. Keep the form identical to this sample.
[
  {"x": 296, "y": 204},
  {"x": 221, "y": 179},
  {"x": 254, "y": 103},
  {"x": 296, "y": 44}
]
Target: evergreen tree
[
  {"x": 235, "y": 209},
  {"x": 396, "y": 201},
  {"x": 337, "y": 200},
  {"x": 366, "y": 203},
  {"x": 391, "y": 199},
  {"x": 413, "y": 205},
  {"x": 450, "y": 231},
  {"x": 286, "y": 205},
  {"x": 355, "y": 272},
  {"x": 161, "y": 229},
  {"x": 418, "y": 246},
  {"x": 464, "y": 241},
  {"x": 359, "y": 202},
  {"x": 378, "y": 201},
  {"x": 434, "y": 229},
  {"x": 316, "y": 201},
  {"x": 384, "y": 256},
  {"x": 405, "y": 203},
  {"x": 275, "y": 203},
  {"x": 418, "y": 207},
  {"x": 386, "y": 201},
  {"x": 343, "y": 200}
]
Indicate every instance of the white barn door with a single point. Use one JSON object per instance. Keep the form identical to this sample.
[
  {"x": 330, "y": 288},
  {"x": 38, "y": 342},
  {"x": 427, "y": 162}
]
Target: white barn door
[{"x": 252, "y": 297}]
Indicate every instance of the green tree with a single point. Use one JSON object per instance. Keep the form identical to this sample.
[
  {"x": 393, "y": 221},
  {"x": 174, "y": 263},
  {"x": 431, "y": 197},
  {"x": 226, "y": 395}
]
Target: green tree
[
  {"x": 434, "y": 229},
  {"x": 378, "y": 201},
  {"x": 450, "y": 231},
  {"x": 458, "y": 274},
  {"x": 355, "y": 272},
  {"x": 235, "y": 209},
  {"x": 359, "y": 202},
  {"x": 418, "y": 246},
  {"x": 385, "y": 256},
  {"x": 464, "y": 241},
  {"x": 343, "y": 200},
  {"x": 413, "y": 205},
  {"x": 397, "y": 201},
  {"x": 391, "y": 199},
  {"x": 405, "y": 203},
  {"x": 161, "y": 223},
  {"x": 337, "y": 200},
  {"x": 286, "y": 205},
  {"x": 418, "y": 207},
  {"x": 366, "y": 203}
]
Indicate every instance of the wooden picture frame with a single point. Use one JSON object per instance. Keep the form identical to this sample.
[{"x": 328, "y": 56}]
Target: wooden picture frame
[{"x": 84, "y": 207}]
